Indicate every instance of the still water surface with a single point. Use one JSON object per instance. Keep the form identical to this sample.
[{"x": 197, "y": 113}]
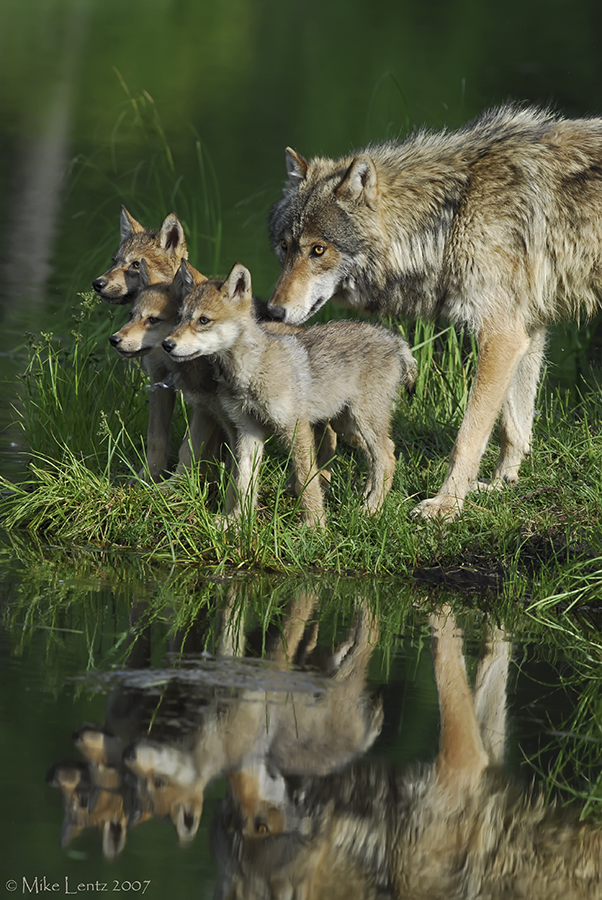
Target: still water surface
[{"x": 260, "y": 738}]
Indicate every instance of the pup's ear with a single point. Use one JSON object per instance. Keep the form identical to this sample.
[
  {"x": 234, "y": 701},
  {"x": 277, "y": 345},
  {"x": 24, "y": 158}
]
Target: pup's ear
[
  {"x": 183, "y": 282},
  {"x": 128, "y": 224},
  {"x": 144, "y": 274},
  {"x": 360, "y": 182},
  {"x": 171, "y": 237},
  {"x": 197, "y": 277},
  {"x": 238, "y": 283},
  {"x": 187, "y": 818},
  {"x": 296, "y": 166}
]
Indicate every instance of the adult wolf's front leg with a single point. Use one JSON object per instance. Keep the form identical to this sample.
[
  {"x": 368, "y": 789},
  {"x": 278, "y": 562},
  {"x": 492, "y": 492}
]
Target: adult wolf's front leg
[
  {"x": 516, "y": 422},
  {"x": 501, "y": 349}
]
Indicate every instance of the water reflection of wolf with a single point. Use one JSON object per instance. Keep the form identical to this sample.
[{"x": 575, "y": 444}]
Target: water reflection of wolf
[
  {"x": 453, "y": 829},
  {"x": 167, "y": 736},
  {"x": 293, "y": 731}
]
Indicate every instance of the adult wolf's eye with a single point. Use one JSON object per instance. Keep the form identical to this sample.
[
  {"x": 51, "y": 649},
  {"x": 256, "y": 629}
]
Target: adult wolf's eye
[
  {"x": 204, "y": 320},
  {"x": 158, "y": 781},
  {"x": 261, "y": 827},
  {"x": 135, "y": 265},
  {"x": 152, "y": 320},
  {"x": 284, "y": 245},
  {"x": 318, "y": 250}
]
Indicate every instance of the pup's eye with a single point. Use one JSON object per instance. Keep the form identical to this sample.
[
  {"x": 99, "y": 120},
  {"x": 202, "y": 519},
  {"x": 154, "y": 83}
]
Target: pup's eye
[
  {"x": 135, "y": 265},
  {"x": 284, "y": 245},
  {"x": 203, "y": 320},
  {"x": 152, "y": 320},
  {"x": 158, "y": 781},
  {"x": 318, "y": 250}
]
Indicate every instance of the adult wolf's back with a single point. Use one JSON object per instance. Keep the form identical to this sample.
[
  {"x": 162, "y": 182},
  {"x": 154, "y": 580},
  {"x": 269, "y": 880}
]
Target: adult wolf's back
[{"x": 498, "y": 225}]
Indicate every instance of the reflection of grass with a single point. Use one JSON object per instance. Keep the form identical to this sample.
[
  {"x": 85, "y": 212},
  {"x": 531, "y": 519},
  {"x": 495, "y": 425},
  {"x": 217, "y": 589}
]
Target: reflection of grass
[
  {"x": 82, "y": 611},
  {"x": 568, "y": 756},
  {"x": 84, "y": 415}
]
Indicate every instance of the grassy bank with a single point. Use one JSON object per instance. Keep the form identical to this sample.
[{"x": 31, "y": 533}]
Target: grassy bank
[{"x": 83, "y": 412}]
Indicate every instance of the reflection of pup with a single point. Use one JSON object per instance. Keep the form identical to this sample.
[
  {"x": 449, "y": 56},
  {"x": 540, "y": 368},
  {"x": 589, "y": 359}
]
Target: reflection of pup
[
  {"x": 451, "y": 829},
  {"x": 162, "y": 250},
  {"x": 100, "y": 793},
  {"x": 248, "y": 732},
  {"x": 92, "y": 798},
  {"x": 345, "y": 372},
  {"x": 497, "y": 225}
]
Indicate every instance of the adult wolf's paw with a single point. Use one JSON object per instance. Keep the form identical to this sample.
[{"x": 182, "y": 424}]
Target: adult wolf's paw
[{"x": 442, "y": 506}]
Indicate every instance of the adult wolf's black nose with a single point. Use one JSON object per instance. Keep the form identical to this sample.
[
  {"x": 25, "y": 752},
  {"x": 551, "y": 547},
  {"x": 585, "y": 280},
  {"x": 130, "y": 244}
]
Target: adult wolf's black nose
[
  {"x": 168, "y": 345},
  {"x": 114, "y": 340},
  {"x": 277, "y": 313},
  {"x": 98, "y": 284}
]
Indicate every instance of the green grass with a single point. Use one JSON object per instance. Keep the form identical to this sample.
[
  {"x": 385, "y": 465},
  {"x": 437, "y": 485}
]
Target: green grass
[{"x": 83, "y": 412}]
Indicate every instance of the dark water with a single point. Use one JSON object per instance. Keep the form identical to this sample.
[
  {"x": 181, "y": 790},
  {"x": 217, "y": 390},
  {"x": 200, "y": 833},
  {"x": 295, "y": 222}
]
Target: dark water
[
  {"x": 153, "y": 655},
  {"x": 170, "y": 734}
]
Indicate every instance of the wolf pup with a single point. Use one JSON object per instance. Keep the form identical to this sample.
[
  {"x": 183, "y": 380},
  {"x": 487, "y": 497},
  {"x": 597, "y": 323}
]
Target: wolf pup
[
  {"x": 162, "y": 250},
  {"x": 345, "y": 372},
  {"x": 497, "y": 225},
  {"x": 152, "y": 318}
]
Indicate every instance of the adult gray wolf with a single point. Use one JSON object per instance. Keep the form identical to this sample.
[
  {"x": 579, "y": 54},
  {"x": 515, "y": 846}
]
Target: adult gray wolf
[
  {"x": 344, "y": 372},
  {"x": 497, "y": 225}
]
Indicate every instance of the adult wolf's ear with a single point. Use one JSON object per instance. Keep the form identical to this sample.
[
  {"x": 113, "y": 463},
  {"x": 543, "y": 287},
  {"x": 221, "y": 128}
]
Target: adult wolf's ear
[
  {"x": 360, "y": 181},
  {"x": 128, "y": 225},
  {"x": 238, "y": 282},
  {"x": 296, "y": 166},
  {"x": 171, "y": 236},
  {"x": 184, "y": 281},
  {"x": 144, "y": 278}
]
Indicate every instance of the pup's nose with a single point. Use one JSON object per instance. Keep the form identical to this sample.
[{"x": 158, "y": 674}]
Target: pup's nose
[
  {"x": 114, "y": 340},
  {"x": 277, "y": 313},
  {"x": 168, "y": 345},
  {"x": 98, "y": 284}
]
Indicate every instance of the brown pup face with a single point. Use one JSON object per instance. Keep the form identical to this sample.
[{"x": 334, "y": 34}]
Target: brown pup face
[
  {"x": 211, "y": 316},
  {"x": 162, "y": 250},
  {"x": 169, "y": 784},
  {"x": 313, "y": 234},
  {"x": 153, "y": 316}
]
